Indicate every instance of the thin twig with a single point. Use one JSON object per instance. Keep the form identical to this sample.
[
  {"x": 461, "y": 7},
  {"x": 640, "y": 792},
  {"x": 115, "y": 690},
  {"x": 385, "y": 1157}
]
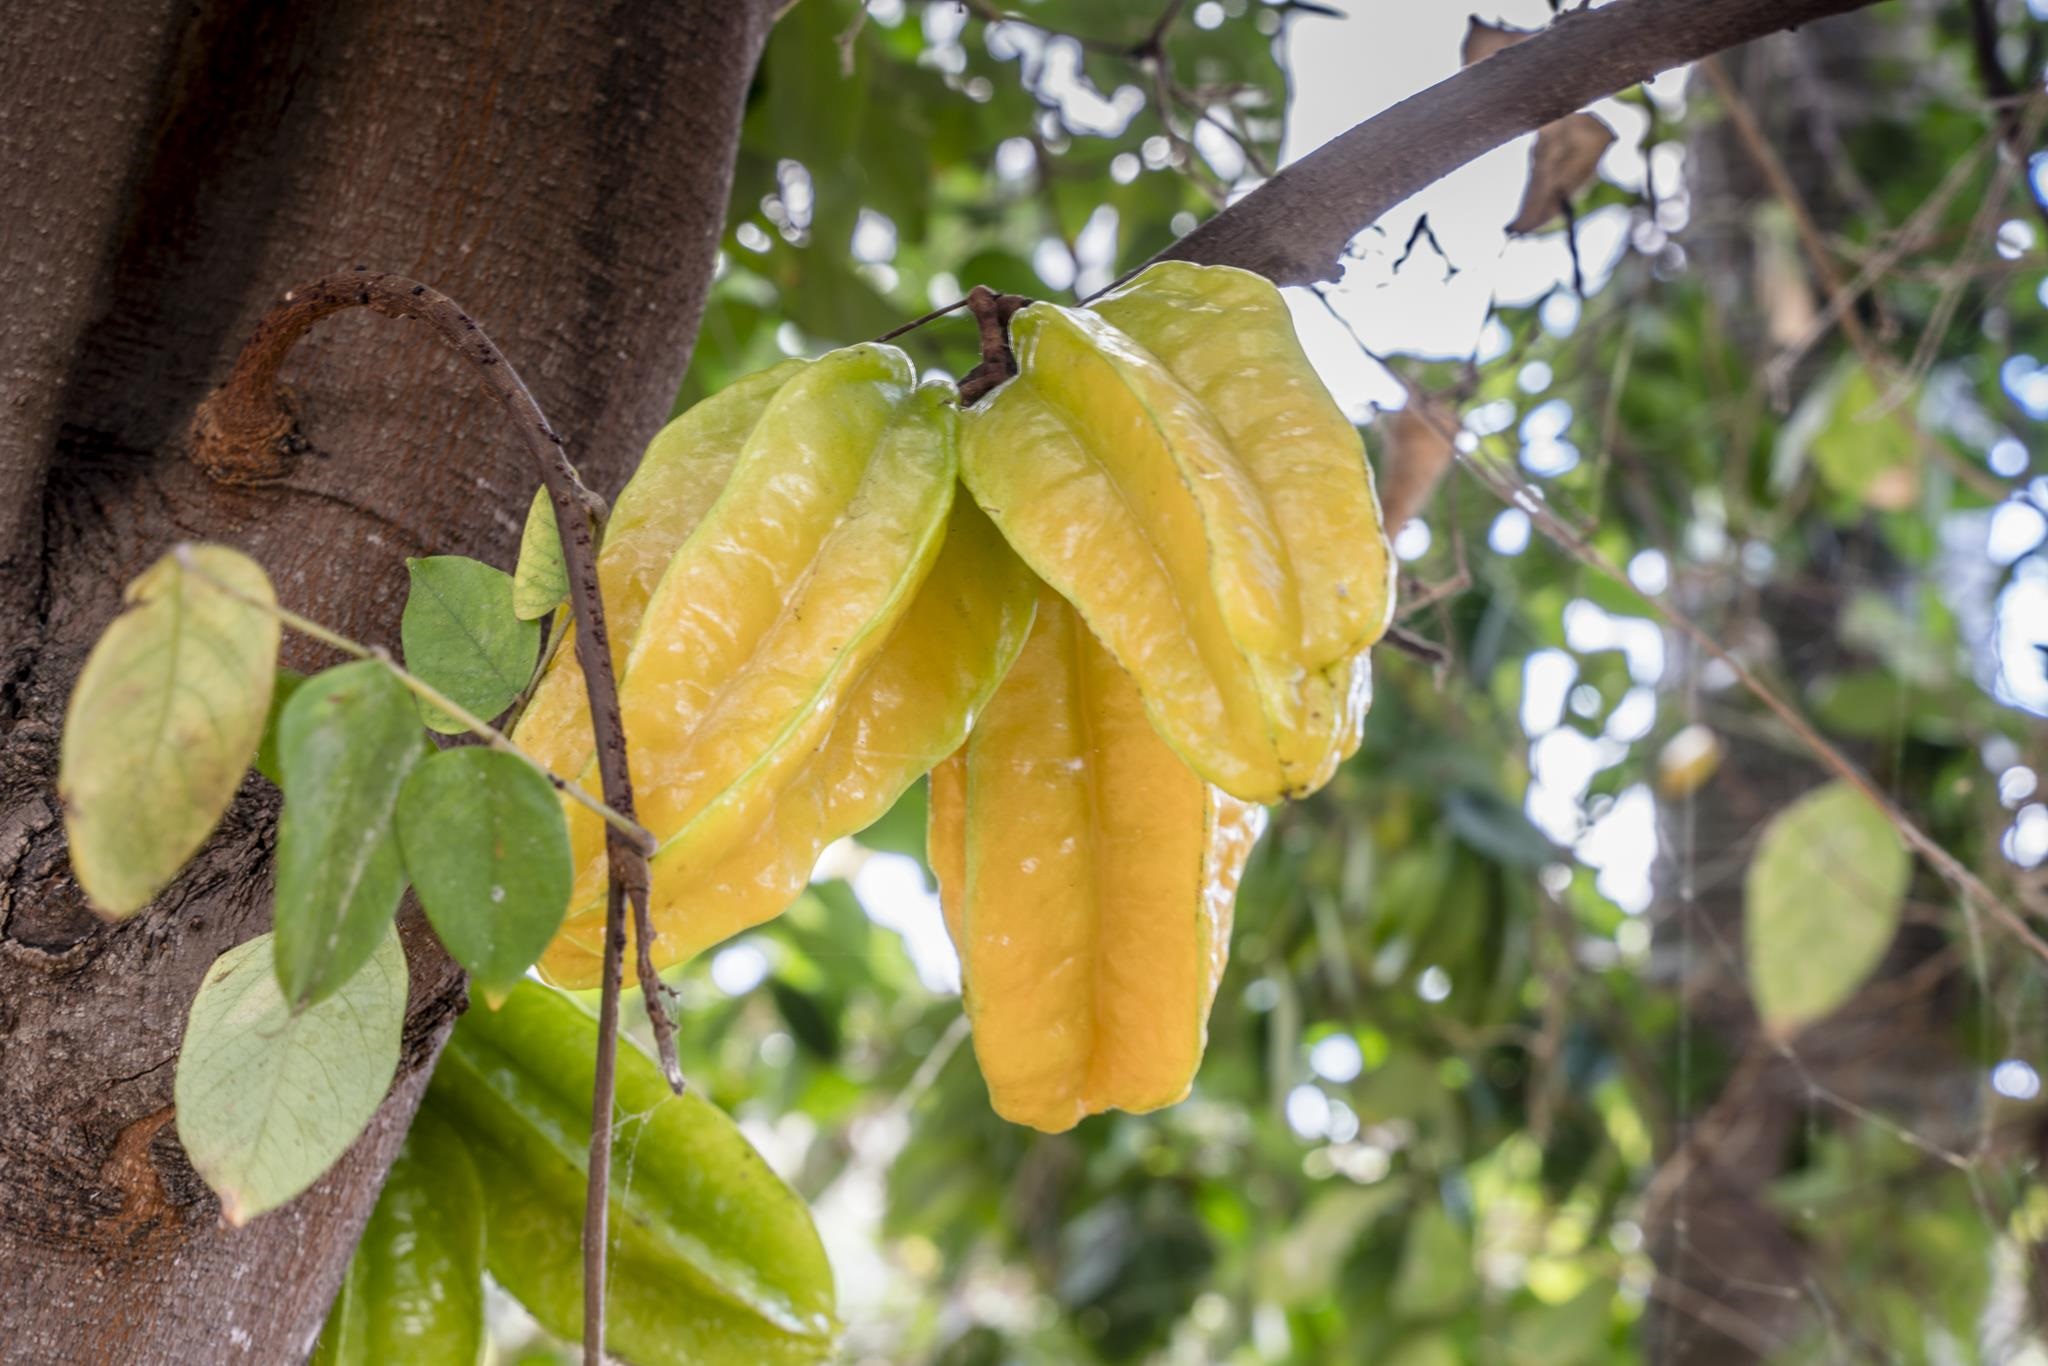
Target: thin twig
[
  {"x": 1154, "y": 42},
  {"x": 246, "y": 431},
  {"x": 558, "y": 632},
  {"x": 1883, "y": 369},
  {"x": 1512, "y": 490},
  {"x": 893, "y": 333},
  {"x": 1975, "y": 240},
  {"x": 417, "y": 686},
  {"x": 1911, "y": 236},
  {"x": 1998, "y": 86},
  {"x": 1408, "y": 643},
  {"x": 597, "y": 1181},
  {"x": 1772, "y": 167},
  {"x": 848, "y": 37}
]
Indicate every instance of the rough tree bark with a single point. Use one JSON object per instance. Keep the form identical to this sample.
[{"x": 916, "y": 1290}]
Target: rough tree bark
[{"x": 165, "y": 169}]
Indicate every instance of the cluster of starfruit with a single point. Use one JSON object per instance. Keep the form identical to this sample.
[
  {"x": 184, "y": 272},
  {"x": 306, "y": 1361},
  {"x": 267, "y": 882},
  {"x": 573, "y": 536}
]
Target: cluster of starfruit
[{"x": 1149, "y": 619}]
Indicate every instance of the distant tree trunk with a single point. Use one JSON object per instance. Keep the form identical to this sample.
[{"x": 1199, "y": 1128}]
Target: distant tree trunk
[
  {"x": 166, "y": 170},
  {"x": 1734, "y": 1284}
]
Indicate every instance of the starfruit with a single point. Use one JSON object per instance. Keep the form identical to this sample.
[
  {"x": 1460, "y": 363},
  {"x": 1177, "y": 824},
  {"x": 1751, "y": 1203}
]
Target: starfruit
[
  {"x": 1208, "y": 510},
  {"x": 679, "y": 478},
  {"x": 414, "y": 1291},
  {"x": 712, "y": 1259},
  {"x": 832, "y": 516},
  {"x": 1086, "y": 875},
  {"x": 909, "y": 709}
]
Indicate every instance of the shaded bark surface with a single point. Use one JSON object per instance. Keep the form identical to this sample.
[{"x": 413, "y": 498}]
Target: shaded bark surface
[{"x": 166, "y": 170}]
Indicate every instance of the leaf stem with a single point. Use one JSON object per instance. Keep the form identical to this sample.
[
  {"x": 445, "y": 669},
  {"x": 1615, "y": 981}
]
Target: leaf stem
[{"x": 418, "y": 686}]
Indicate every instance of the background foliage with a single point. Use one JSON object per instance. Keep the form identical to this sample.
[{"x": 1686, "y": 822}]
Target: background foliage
[{"x": 1485, "y": 1080}]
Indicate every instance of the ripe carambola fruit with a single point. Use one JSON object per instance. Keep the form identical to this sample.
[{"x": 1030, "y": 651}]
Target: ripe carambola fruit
[
  {"x": 909, "y": 709},
  {"x": 1170, "y": 463},
  {"x": 414, "y": 1292},
  {"x": 1087, "y": 876},
  {"x": 712, "y": 1258},
  {"x": 679, "y": 478},
  {"x": 834, "y": 511}
]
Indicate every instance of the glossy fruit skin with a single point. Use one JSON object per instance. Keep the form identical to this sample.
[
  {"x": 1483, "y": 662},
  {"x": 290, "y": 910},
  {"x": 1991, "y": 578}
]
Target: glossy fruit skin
[
  {"x": 909, "y": 709},
  {"x": 1207, "y": 509},
  {"x": 414, "y": 1294},
  {"x": 684, "y": 469},
  {"x": 713, "y": 1260},
  {"x": 1227, "y": 336},
  {"x": 1087, "y": 877},
  {"x": 833, "y": 514}
]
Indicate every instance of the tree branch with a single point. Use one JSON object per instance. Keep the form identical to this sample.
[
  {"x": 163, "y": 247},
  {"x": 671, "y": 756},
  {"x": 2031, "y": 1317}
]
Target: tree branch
[
  {"x": 1295, "y": 227},
  {"x": 2006, "y": 97}
]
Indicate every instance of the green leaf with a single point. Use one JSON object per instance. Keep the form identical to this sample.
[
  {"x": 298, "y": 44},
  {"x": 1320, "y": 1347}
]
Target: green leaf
[
  {"x": 488, "y": 851},
  {"x": 1562, "y": 1334},
  {"x": 269, "y": 1097},
  {"x": 163, "y": 722},
  {"x": 1003, "y": 271},
  {"x": 462, "y": 635},
  {"x": 1300, "y": 1267},
  {"x": 1436, "y": 1266},
  {"x": 345, "y": 745},
  {"x": 1870, "y": 455},
  {"x": 281, "y": 691},
  {"x": 540, "y": 581},
  {"x": 1489, "y": 824},
  {"x": 1821, "y": 903},
  {"x": 713, "y": 1259},
  {"x": 1426, "y": 1349}
]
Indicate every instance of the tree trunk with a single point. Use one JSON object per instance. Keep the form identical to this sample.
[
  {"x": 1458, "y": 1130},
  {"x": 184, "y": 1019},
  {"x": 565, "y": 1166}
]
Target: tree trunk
[
  {"x": 166, "y": 170},
  {"x": 1736, "y": 1281}
]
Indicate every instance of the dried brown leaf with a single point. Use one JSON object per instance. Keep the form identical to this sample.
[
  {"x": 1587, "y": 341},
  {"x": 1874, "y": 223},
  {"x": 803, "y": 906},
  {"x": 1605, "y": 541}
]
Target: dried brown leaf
[
  {"x": 1418, "y": 451},
  {"x": 1562, "y": 163},
  {"x": 1482, "y": 39}
]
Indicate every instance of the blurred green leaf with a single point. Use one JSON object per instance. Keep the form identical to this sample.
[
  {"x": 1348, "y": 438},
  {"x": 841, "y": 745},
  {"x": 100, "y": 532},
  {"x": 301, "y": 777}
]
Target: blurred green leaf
[
  {"x": 164, "y": 720},
  {"x": 540, "y": 581},
  {"x": 1821, "y": 903}
]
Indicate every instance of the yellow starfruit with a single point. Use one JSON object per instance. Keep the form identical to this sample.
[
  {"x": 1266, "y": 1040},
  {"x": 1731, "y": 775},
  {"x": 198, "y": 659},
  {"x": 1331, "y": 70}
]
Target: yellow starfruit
[{"x": 1087, "y": 877}]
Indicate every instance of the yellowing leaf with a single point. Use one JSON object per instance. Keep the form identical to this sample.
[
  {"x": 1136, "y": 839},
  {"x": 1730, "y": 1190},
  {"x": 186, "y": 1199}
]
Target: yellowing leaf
[
  {"x": 1868, "y": 451},
  {"x": 268, "y": 1099},
  {"x": 1820, "y": 904},
  {"x": 163, "y": 722},
  {"x": 540, "y": 581}
]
